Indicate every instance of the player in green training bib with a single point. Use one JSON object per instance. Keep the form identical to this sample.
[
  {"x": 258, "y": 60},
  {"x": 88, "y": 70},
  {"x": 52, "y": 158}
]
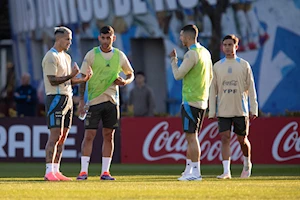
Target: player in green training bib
[
  {"x": 196, "y": 73},
  {"x": 103, "y": 98}
]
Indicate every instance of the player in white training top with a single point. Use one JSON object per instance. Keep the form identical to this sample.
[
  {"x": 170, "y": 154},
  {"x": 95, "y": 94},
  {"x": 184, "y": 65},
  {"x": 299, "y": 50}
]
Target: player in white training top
[{"x": 231, "y": 88}]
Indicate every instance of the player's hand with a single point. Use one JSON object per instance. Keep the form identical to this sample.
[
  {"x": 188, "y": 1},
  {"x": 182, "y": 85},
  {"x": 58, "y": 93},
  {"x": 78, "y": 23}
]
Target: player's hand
[
  {"x": 75, "y": 70},
  {"x": 252, "y": 117},
  {"x": 89, "y": 74},
  {"x": 173, "y": 53},
  {"x": 120, "y": 81}
]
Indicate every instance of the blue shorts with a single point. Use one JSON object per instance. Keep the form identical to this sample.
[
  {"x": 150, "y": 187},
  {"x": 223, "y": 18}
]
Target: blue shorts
[
  {"x": 59, "y": 110},
  {"x": 192, "y": 118}
]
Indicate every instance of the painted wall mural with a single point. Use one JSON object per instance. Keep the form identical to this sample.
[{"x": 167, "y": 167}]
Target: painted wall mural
[{"x": 269, "y": 31}]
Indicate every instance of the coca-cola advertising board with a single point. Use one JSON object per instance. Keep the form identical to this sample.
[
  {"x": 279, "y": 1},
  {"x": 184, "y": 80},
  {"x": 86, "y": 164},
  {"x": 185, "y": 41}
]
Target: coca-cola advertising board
[{"x": 274, "y": 140}]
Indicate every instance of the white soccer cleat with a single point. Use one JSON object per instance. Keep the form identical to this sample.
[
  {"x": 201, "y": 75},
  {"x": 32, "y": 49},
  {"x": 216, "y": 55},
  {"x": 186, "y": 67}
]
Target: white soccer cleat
[
  {"x": 183, "y": 175},
  {"x": 224, "y": 176},
  {"x": 190, "y": 177},
  {"x": 246, "y": 171}
]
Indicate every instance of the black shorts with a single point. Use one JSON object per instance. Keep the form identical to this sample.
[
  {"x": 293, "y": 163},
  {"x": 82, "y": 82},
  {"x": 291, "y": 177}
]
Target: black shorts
[
  {"x": 240, "y": 124},
  {"x": 192, "y": 118},
  {"x": 107, "y": 112},
  {"x": 59, "y": 110}
]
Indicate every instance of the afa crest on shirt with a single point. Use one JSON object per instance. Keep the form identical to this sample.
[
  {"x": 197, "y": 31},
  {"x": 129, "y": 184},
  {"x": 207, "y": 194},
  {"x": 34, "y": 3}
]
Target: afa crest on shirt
[{"x": 229, "y": 70}]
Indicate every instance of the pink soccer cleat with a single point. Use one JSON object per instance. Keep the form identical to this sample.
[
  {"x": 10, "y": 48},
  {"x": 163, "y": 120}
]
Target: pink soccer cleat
[
  {"x": 51, "y": 177},
  {"x": 246, "y": 171},
  {"x": 224, "y": 176},
  {"x": 61, "y": 177}
]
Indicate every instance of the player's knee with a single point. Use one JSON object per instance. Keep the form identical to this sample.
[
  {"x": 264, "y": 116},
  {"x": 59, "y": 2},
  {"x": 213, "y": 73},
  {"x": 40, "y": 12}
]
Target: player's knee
[
  {"x": 225, "y": 139},
  {"x": 242, "y": 139},
  {"x": 108, "y": 137}
]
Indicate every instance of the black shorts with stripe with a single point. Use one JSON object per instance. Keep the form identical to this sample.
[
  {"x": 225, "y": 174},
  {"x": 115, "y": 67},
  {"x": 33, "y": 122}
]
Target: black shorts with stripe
[
  {"x": 192, "y": 118},
  {"x": 107, "y": 112},
  {"x": 59, "y": 110},
  {"x": 240, "y": 124}
]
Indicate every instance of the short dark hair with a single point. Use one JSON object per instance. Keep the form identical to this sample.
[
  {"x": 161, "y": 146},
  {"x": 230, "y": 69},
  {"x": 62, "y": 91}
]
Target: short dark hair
[
  {"x": 107, "y": 29},
  {"x": 62, "y": 30},
  {"x": 140, "y": 73},
  {"x": 191, "y": 29},
  {"x": 232, "y": 37}
]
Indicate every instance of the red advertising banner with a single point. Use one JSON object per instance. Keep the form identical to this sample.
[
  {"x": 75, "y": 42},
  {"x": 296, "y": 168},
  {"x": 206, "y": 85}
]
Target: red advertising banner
[
  {"x": 274, "y": 140},
  {"x": 24, "y": 140}
]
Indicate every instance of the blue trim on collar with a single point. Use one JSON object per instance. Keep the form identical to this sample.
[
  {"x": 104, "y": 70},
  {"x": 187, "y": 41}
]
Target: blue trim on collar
[
  {"x": 54, "y": 50},
  {"x": 195, "y": 46},
  {"x": 238, "y": 59},
  {"x": 223, "y": 59}
]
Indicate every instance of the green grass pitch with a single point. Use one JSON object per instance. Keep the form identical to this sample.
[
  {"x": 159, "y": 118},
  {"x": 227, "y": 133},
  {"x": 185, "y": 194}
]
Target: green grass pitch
[{"x": 25, "y": 181}]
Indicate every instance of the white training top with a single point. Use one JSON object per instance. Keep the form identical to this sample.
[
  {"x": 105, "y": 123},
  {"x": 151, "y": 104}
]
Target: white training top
[
  {"x": 232, "y": 86},
  {"x": 57, "y": 64}
]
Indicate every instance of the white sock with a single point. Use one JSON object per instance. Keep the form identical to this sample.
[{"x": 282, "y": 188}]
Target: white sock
[
  {"x": 247, "y": 161},
  {"x": 105, "y": 164},
  {"x": 226, "y": 166},
  {"x": 55, "y": 167},
  {"x": 196, "y": 168},
  {"x": 49, "y": 168},
  {"x": 188, "y": 166},
  {"x": 85, "y": 161}
]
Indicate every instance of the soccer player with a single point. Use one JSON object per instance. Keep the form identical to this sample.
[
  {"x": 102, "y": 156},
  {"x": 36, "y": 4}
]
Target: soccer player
[
  {"x": 196, "y": 72},
  {"x": 232, "y": 86},
  {"x": 58, "y": 78},
  {"x": 103, "y": 98}
]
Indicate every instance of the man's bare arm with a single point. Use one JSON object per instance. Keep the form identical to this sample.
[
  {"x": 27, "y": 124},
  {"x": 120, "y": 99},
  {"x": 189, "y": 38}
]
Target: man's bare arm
[
  {"x": 54, "y": 80},
  {"x": 122, "y": 82},
  {"x": 84, "y": 78},
  {"x": 82, "y": 88}
]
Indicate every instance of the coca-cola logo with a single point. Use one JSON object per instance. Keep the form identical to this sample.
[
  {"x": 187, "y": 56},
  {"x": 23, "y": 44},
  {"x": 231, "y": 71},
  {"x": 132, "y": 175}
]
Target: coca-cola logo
[
  {"x": 173, "y": 145},
  {"x": 288, "y": 142}
]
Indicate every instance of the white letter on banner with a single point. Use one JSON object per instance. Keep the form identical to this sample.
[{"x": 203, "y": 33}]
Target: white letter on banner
[
  {"x": 48, "y": 13},
  {"x": 3, "y": 139},
  {"x": 72, "y": 11},
  {"x": 24, "y": 22},
  {"x": 85, "y": 10},
  {"x": 172, "y": 4},
  {"x": 31, "y": 13},
  {"x": 40, "y": 15},
  {"x": 13, "y": 144},
  {"x": 16, "y": 19},
  {"x": 159, "y": 5},
  {"x": 37, "y": 131},
  {"x": 101, "y": 9},
  {"x": 61, "y": 12},
  {"x": 188, "y": 3},
  {"x": 122, "y": 7},
  {"x": 139, "y": 7}
]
